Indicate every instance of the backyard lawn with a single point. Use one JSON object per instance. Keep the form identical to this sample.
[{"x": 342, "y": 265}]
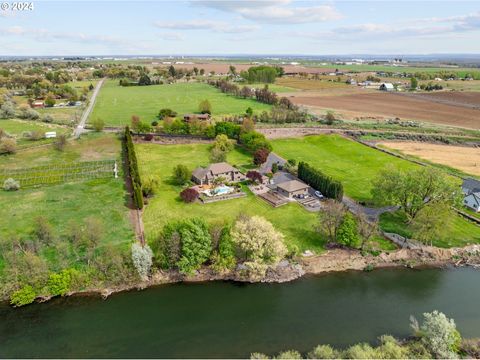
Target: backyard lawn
[
  {"x": 158, "y": 160},
  {"x": 116, "y": 104},
  {"x": 355, "y": 165}
]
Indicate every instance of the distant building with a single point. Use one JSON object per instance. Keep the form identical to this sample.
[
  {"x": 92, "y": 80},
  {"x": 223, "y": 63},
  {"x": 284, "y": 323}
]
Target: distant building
[
  {"x": 50, "y": 135},
  {"x": 38, "y": 104},
  {"x": 191, "y": 117},
  {"x": 387, "y": 87}
]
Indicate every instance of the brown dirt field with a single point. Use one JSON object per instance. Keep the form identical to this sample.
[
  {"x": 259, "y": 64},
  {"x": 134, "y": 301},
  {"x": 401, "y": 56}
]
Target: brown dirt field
[
  {"x": 466, "y": 159},
  {"x": 456, "y": 98},
  {"x": 404, "y": 107}
]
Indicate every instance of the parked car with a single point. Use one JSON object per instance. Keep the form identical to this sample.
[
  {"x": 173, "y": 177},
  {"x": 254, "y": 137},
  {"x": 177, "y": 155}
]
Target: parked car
[{"x": 319, "y": 194}]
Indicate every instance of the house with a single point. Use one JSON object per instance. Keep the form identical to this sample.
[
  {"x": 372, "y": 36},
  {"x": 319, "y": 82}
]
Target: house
[
  {"x": 386, "y": 87},
  {"x": 292, "y": 188},
  {"x": 206, "y": 176},
  {"x": 471, "y": 190},
  {"x": 191, "y": 117},
  {"x": 38, "y": 104}
]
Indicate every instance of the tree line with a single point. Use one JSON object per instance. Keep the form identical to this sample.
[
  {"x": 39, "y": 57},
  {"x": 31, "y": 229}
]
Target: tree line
[
  {"x": 131, "y": 159},
  {"x": 329, "y": 187}
]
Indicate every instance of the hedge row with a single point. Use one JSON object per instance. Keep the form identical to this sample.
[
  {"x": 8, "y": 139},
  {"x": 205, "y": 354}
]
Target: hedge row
[
  {"x": 133, "y": 169},
  {"x": 329, "y": 187}
]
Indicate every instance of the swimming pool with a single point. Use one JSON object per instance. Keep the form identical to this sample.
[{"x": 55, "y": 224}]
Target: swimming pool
[{"x": 222, "y": 190}]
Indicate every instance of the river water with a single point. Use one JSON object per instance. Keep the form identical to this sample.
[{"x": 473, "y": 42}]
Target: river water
[{"x": 223, "y": 319}]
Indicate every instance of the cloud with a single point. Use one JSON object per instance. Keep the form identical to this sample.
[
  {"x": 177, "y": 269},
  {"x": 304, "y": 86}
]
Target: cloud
[
  {"x": 216, "y": 26},
  {"x": 274, "y": 12},
  {"x": 427, "y": 28},
  {"x": 172, "y": 36}
]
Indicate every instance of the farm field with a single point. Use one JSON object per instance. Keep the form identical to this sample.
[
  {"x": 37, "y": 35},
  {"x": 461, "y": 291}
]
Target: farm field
[
  {"x": 115, "y": 104},
  {"x": 465, "y": 159},
  {"x": 311, "y": 84},
  {"x": 395, "y": 105},
  {"x": 467, "y": 99},
  {"x": 158, "y": 160},
  {"x": 16, "y": 127},
  {"x": 354, "y": 164},
  {"x": 87, "y": 148}
]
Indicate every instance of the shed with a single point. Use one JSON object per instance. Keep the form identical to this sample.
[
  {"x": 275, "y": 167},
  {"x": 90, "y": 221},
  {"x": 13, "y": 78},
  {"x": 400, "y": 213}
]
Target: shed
[{"x": 387, "y": 87}]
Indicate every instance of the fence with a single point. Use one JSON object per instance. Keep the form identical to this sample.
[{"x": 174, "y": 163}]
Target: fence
[{"x": 60, "y": 173}]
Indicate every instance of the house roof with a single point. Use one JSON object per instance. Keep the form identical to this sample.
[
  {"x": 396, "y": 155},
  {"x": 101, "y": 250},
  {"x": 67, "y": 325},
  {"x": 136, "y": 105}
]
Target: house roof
[
  {"x": 471, "y": 185},
  {"x": 292, "y": 185},
  {"x": 476, "y": 198},
  {"x": 213, "y": 169},
  {"x": 219, "y": 168}
]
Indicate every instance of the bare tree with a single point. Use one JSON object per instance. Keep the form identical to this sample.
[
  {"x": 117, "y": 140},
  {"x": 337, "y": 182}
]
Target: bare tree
[
  {"x": 330, "y": 218},
  {"x": 367, "y": 228}
]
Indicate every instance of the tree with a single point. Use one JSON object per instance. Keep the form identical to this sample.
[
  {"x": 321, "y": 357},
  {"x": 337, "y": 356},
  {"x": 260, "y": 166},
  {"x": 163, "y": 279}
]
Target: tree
[
  {"x": 248, "y": 125},
  {"x": 98, "y": 124},
  {"x": 330, "y": 218},
  {"x": 260, "y": 156},
  {"x": 205, "y": 107},
  {"x": 439, "y": 334},
  {"x": 414, "y": 189},
  {"x": 323, "y": 352},
  {"x": 221, "y": 147},
  {"x": 367, "y": 228},
  {"x": 135, "y": 122},
  {"x": 232, "y": 70},
  {"x": 217, "y": 155},
  {"x": 254, "y": 176},
  {"x": 144, "y": 80},
  {"x": 142, "y": 259},
  {"x": 24, "y": 296},
  {"x": 196, "y": 245},
  {"x": 432, "y": 223},
  {"x": 223, "y": 257},
  {"x": 289, "y": 354},
  {"x": 347, "y": 233},
  {"x": 181, "y": 174},
  {"x": 189, "y": 195},
  {"x": 60, "y": 142},
  {"x": 49, "y": 101},
  {"x": 413, "y": 83},
  {"x": 258, "y": 240},
  {"x": 11, "y": 185},
  {"x": 60, "y": 283},
  {"x": 164, "y": 113},
  {"x": 171, "y": 71},
  {"x": 8, "y": 146},
  {"x": 274, "y": 168}
]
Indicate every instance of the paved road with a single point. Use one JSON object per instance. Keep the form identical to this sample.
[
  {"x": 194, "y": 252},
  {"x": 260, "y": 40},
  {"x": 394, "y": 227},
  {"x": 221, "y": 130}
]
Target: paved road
[{"x": 81, "y": 125}]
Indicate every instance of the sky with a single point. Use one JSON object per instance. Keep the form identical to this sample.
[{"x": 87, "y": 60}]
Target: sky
[{"x": 240, "y": 27}]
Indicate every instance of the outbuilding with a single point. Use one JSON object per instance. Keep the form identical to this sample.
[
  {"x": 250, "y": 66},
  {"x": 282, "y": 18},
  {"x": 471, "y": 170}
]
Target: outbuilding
[
  {"x": 387, "y": 87},
  {"x": 292, "y": 188}
]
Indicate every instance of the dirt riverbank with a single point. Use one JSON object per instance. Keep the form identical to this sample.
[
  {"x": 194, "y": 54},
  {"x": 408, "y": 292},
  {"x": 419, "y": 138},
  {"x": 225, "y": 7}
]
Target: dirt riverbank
[{"x": 334, "y": 260}]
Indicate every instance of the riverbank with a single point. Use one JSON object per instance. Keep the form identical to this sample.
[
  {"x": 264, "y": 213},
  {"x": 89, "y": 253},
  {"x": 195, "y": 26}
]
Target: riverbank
[{"x": 331, "y": 261}]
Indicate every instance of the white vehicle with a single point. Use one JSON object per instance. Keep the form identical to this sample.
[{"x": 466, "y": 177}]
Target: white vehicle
[{"x": 318, "y": 194}]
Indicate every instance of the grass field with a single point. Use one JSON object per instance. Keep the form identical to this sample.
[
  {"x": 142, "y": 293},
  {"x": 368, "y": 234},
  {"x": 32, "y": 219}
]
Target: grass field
[
  {"x": 462, "y": 232},
  {"x": 292, "y": 220},
  {"x": 89, "y": 147},
  {"x": 102, "y": 199},
  {"x": 277, "y": 88},
  {"x": 116, "y": 104},
  {"x": 310, "y": 84},
  {"x": 355, "y": 165},
  {"x": 16, "y": 127}
]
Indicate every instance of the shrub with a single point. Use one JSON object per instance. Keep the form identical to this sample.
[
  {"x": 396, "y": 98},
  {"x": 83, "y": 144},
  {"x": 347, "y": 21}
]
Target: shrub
[
  {"x": 253, "y": 141},
  {"x": 189, "y": 195},
  {"x": 205, "y": 107},
  {"x": 323, "y": 352},
  {"x": 181, "y": 174},
  {"x": 8, "y": 146},
  {"x": 47, "y": 118},
  {"x": 154, "y": 123},
  {"x": 60, "y": 283},
  {"x": 260, "y": 156},
  {"x": 330, "y": 118},
  {"x": 163, "y": 113},
  {"x": 26, "y": 295},
  {"x": 60, "y": 142},
  {"x": 36, "y": 135},
  {"x": 259, "y": 356},
  {"x": 254, "y": 176},
  {"x": 7, "y": 110},
  {"x": 43, "y": 230},
  {"x": 149, "y": 186},
  {"x": 49, "y": 101},
  {"x": 142, "y": 259},
  {"x": 11, "y": 185},
  {"x": 289, "y": 354},
  {"x": 274, "y": 168},
  {"x": 98, "y": 124},
  {"x": 347, "y": 233},
  {"x": 196, "y": 245},
  {"x": 148, "y": 137}
]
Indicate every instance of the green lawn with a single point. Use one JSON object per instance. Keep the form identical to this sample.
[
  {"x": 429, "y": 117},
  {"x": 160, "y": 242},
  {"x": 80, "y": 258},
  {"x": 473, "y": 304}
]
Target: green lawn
[
  {"x": 16, "y": 127},
  {"x": 158, "y": 160},
  {"x": 102, "y": 199},
  {"x": 354, "y": 164},
  {"x": 462, "y": 232},
  {"x": 116, "y": 104},
  {"x": 272, "y": 87}
]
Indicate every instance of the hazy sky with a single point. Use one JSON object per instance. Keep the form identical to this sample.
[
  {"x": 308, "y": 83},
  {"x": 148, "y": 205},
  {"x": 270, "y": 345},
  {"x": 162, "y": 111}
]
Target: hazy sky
[{"x": 241, "y": 27}]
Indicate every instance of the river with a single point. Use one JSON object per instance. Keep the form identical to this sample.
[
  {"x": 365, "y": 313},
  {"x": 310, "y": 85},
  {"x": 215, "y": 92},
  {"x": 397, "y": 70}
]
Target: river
[{"x": 223, "y": 319}]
